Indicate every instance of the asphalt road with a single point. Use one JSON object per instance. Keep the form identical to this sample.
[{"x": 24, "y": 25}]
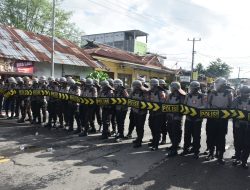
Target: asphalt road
[{"x": 91, "y": 163}]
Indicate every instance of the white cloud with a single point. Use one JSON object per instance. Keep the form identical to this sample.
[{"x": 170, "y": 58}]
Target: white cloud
[{"x": 222, "y": 25}]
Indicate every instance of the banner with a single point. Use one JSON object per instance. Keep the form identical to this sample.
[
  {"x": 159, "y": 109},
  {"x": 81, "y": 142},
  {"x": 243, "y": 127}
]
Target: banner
[{"x": 143, "y": 105}]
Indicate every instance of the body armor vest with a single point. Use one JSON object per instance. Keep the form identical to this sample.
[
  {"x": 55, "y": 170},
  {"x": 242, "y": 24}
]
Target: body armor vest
[
  {"x": 196, "y": 101},
  {"x": 141, "y": 96},
  {"x": 220, "y": 99}
]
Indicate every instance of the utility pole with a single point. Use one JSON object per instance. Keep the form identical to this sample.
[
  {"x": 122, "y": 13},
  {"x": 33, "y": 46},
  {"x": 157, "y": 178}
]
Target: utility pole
[
  {"x": 239, "y": 73},
  {"x": 53, "y": 40},
  {"x": 193, "y": 52}
]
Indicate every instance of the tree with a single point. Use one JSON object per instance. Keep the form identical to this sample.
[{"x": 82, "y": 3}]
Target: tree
[
  {"x": 200, "y": 68},
  {"x": 36, "y": 15},
  {"x": 218, "y": 68},
  {"x": 99, "y": 75}
]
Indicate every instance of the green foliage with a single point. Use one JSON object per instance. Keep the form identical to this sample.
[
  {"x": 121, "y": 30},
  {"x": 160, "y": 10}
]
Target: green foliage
[
  {"x": 200, "y": 68},
  {"x": 101, "y": 76},
  {"x": 216, "y": 68},
  {"x": 36, "y": 16}
]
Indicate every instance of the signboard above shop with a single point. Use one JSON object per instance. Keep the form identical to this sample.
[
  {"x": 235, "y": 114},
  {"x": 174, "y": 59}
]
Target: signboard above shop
[
  {"x": 24, "y": 67},
  {"x": 185, "y": 78}
]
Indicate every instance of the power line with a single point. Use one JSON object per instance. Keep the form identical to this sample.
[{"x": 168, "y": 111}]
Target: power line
[{"x": 126, "y": 12}]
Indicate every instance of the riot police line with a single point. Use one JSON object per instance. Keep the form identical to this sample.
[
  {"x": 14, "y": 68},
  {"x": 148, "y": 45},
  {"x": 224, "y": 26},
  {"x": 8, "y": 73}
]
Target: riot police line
[{"x": 68, "y": 100}]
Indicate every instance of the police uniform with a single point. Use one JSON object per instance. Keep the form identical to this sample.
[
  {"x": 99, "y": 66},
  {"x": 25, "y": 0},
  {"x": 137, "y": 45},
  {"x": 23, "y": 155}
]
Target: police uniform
[
  {"x": 156, "y": 118},
  {"x": 139, "y": 115},
  {"x": 42, "y": 104},
  {"x": 18, "y": 100},
  {"x": 86, "y": 111},
  {"x": 1, "y": 97},
  {"x": 10, "y": 101},
  {"x": 193, "y": 123},
  {"x": 242, "y": 132},
  {"x": 106, "y": 92},
  {"x": 62, "y": 111},
  {"x": 217, "y": 128},
  {"x": 174, "y": 122},
  {"x": 74, "y": 109},
  {"x": 25, "y": 105},
  {"x": 96, "y": 113},
  {"x": 35, "y": 108},
  {"x": 121, "y": 111},
  {"x": 52, "y": 105},
  {"x": 164, "y": 128}
]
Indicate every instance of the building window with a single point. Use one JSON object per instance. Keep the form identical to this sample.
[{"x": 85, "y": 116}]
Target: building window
[{"x": 126, "y": 78}]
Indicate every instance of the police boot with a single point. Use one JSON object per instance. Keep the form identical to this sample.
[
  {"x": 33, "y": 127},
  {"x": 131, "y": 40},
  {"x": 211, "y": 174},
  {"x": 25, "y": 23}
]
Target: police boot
[
  {"x": 172, "y": 153},
  {"x": 105, "y": 135},
  {"x": 21, "y": 120},
  {"x": 135, "y": 141},
  {"x": 210, "y": 156},
  {"x": 163, "y": 141},
  {"x": 137, "y": 144},
  {"x": 244, "y": 165},
  {"x": 77, "y": 131},
  {"x": 129, "y": 136},
  {"x": 220, "y": 158},
  {"x": 92, "y": 130},
  {"x": 196, "y": 156},
  {"x": 185, "y": 152},
  {"x": 83, "y": 134},
  {"x": 236, "y": 162}
]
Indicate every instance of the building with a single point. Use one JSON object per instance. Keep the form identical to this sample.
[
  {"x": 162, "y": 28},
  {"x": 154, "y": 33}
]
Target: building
[
  {"x": 124, "y": 40},
  {"x": 27, "y": 53},
  {"x": 128, "y": 66}
]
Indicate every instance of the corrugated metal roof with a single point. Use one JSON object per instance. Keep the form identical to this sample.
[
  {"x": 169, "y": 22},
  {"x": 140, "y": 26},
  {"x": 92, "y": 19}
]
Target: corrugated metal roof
[
  {"x": 148, "y": 61},
  {"x": 23, "y": 45}
]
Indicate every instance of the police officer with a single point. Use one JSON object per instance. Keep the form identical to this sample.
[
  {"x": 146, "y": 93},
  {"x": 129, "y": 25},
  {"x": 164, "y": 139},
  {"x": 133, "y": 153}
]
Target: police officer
[
  {"x": 120, "y": 110},
  {"x": 107, "y": 91},
  {"x": 156, "y": 118},
  {"x": 174, "y": 120},
  {"x": 131, "y": 115},
  {"x": 86, "y": 111},
  {"x": 10, "y": 101},
  {"x": 35, "y": 107},
  {"x": 2, "y": 86},
  {"x": 113, "y": 115},
  {"x": 242, "y": 128},
  {"x": 19, "y": 85},
  {"x": 164, "y": 129},
  {"x": 193, "y": 99},
  {"x": 53, "y": 86},
  {"x": 74, "y": 107},
  {"x": 97, "y": 110},
  {"x": 25, "y": 105},
  {"x": 62, "y": 104},
  {"x": 139, "y": 116},
  {"x": 42, "y": 101},
  {"x": 220, "y": 98}
]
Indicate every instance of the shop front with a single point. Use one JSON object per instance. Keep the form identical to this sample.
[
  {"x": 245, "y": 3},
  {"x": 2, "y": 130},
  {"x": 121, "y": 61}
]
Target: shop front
[{"x": 9, "y": 68}]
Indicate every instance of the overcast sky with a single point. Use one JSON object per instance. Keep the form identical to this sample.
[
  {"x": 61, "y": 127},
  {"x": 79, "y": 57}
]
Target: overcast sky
[{"x": 222, "y": 25}]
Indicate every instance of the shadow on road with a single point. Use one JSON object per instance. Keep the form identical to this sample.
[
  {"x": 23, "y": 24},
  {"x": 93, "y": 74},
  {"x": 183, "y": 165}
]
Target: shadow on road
[{"x": 110, "y": 158}]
